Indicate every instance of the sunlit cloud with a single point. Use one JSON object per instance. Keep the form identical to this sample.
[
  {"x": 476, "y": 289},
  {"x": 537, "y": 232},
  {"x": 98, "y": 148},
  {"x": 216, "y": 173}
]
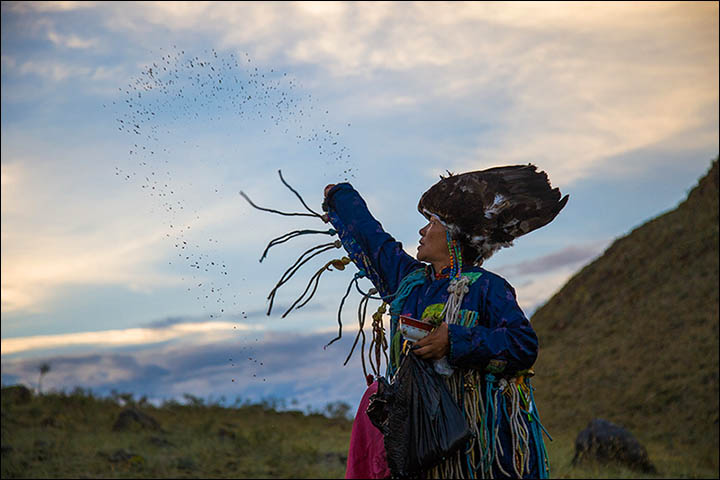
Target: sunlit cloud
[
  {"x": 34, "y": 267},
  {"x": 41, "y": 253},
  {"x": 71, "y": 41},
  {"x": 199, "y": 331},
  {"x": 8, "y": 176},
  {"x": 49, "y": 244}
]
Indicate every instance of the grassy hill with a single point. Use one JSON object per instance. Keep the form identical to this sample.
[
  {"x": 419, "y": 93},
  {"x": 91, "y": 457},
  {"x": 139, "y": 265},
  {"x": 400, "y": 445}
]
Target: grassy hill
[{"x": 633, "y": 336}]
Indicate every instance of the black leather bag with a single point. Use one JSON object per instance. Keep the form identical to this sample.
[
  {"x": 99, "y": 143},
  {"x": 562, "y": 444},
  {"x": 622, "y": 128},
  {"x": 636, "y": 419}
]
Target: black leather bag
[{"x": 421, "y": 423}]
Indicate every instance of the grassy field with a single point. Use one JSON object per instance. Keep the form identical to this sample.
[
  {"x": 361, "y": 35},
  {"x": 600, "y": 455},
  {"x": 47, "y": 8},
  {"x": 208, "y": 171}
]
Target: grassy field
[
  {"x": 669, "y": 463},
  {"x": 72, "y": 436}
]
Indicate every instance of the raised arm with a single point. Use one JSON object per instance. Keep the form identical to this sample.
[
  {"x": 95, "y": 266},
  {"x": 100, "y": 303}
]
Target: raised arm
[
  {"x": 507, "y": 338},
  {"x": 372, "y": 249}
]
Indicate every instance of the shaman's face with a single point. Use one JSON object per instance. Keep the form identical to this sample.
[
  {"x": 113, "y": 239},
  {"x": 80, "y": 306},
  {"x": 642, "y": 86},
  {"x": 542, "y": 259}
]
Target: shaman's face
[{"x": 433, "y": 246}]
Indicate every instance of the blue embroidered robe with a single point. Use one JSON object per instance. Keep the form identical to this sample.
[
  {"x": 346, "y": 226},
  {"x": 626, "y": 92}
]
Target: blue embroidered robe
[{"x": 493, "y": 333}]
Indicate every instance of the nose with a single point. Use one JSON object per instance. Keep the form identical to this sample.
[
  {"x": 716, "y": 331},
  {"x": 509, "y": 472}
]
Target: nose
[{"x": 423, "y": 230}]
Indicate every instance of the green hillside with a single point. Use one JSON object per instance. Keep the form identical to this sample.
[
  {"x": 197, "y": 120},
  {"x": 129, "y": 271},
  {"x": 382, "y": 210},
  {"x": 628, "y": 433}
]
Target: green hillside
[{"x": 633, "y": 337}]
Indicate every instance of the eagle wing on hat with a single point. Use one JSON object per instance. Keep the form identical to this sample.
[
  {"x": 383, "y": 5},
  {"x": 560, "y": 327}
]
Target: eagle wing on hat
[{"x": 492, "y": 207}]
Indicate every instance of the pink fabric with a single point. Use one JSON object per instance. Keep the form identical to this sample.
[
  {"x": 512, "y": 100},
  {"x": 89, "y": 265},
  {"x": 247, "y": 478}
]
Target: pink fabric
[{"x": 366, "y": 456}]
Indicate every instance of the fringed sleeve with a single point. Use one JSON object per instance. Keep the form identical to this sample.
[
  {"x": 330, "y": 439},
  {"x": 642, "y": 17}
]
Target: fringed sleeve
[{"x": 373, "y": 250}]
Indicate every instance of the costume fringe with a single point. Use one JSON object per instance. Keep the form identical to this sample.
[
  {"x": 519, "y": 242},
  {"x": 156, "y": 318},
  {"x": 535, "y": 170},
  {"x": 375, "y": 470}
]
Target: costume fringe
[
  {"x": 485, "y": 399},
  {"x": 510, "y": 398}
]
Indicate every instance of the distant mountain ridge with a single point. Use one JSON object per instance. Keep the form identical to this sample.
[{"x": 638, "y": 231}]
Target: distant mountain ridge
[{"x": 633, "y": 336}]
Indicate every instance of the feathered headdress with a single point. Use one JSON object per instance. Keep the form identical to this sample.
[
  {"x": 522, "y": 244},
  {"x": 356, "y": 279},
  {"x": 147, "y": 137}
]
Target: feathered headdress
[{"x": 488, "y": 209}]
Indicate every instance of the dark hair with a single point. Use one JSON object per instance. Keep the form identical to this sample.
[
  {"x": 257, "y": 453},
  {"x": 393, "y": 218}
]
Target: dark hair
[{"x": 470, "y": 254}]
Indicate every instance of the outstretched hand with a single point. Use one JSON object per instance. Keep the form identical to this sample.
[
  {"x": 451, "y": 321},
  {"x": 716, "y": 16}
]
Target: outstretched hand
[
  {"x": 435, "y": 345},
  {"x": 325, "y": 192}
]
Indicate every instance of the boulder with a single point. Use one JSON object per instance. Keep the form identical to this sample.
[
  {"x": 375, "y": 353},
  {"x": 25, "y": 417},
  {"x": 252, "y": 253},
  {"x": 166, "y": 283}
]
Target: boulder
[
  {"x": 16, "y": 395},
  {"x": 132, "y": 416},
  {"x": 606, "y": 442}
]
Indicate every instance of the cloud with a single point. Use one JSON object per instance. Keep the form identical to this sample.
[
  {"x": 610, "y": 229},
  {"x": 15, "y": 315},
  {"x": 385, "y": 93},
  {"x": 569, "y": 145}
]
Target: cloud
[
  {"x": 125, "y": 337},
  {"x": 537, "y": 279},
  {"x": 71, "y": 41},
  {"x": 8, "y": 176},
  {"x": 187, "y": 330},
  {"x": 249, "y": 318},
  {"x": 580, "y": 83},
  {"x": 91, "y": 370},
  {"x": 569, "y": 256},
  {"x": 277, "y": 365},
  {"x": 56, "y": 234},
  {"x": 108, "y": 251},
  {"x": 538, "y": 289},
  {"x": 50, "y": 6},
  {"x": 101, "y": 79},
  {"x": 584, "y": 82},
  {"x": 52, "y": 70}
]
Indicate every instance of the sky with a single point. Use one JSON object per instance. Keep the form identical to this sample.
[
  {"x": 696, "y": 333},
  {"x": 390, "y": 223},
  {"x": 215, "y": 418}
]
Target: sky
[{"x": 129, "y": 129}]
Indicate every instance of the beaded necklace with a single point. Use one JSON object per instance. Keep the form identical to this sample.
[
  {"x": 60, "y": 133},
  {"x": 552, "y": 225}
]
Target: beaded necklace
[{"x": 455, "y": 256}]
